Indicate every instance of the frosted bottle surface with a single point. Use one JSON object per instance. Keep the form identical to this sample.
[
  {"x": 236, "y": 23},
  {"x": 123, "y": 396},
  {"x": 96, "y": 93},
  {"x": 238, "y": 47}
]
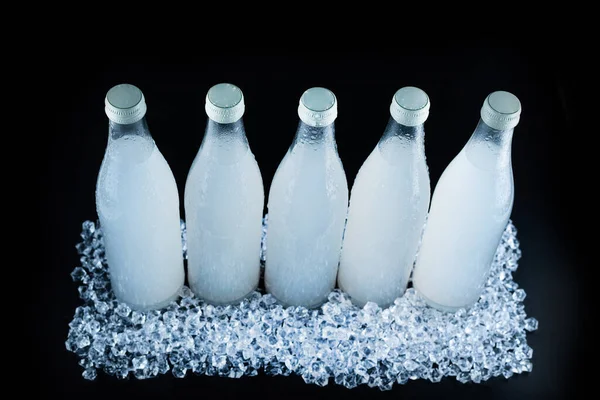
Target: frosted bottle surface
[
  {"x": 224, "y": 200},
  {"x": 388, "y": 206},
  {"x": 307, "y": 205},
  {"x": 470, "y": 209},
  {"x": 138, "y": 208}
]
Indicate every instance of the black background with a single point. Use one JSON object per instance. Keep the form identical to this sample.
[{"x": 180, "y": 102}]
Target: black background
[{"x": 457, "y": 81}]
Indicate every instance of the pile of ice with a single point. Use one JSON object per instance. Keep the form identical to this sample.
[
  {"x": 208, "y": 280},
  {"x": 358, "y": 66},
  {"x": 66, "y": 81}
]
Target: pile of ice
[{"x": 352, "y": 346}]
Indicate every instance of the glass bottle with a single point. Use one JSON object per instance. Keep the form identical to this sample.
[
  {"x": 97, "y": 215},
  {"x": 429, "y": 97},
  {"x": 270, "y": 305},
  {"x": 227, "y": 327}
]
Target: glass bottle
[
  {"x": 388, "y": 206},
  {"x": 224, "y": 200},
  {"x": 470, "y": 209},
  {"x": 308, "y": 202},
  {"x": 138, "y": 207}
]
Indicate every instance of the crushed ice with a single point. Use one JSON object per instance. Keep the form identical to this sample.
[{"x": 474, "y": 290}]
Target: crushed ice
[{"x": 338, "y": 341}]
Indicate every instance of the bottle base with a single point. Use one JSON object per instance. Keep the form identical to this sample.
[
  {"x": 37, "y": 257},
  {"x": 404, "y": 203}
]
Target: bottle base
[
  {"x": 154, "y": 306},
  {"x": 433, "y": 304},
  {"x": 227, "y": 302},
  {"x": 286, "y": 304},
  {"x": 361, "y": 303}
]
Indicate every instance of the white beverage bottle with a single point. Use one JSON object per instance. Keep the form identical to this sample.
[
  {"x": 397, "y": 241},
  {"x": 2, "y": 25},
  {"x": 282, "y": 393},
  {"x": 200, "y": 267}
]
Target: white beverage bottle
[
  {"x": 470, "y": 208},
  {"x": 388, "y": 206},
  {"x": 224, "y": 200},
  {"x": 308, "y": 202},
  {"x": 138, "y": 207}
]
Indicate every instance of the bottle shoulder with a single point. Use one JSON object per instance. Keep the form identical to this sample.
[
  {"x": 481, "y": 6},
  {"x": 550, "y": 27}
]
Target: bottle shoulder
[
  {"x": 123, "y": 186},
  {"x": 485, "y": 167},
  {"x": 204, "y": 164},
  {"x": 464, "y": 185},
  {"x": 240, "y": 180},
  {"x": 376, "y": 171}
]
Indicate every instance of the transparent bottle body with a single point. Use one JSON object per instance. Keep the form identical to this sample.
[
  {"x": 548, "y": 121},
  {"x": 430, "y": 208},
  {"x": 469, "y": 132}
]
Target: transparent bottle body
[
  {"x": 307, "y": 206},
  {"x": 388, "y": 206},
  {"x": 224, "y": 200},
  {"x": 470, "y": 209},
  {"x": 138, "y": 207}
]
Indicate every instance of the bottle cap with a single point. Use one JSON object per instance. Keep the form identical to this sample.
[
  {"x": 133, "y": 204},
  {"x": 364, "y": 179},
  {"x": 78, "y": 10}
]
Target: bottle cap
[
  {"x": 225, "y": 103},
  {"x": 125, "y": 104},
  {"x": 410, "y": 106},
  {"x": 318, "y": 107},
  {"x": 501, "y": 110}
]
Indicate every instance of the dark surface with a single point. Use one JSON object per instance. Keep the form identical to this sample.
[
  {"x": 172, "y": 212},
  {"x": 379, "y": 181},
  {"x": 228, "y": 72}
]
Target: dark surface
[{"x": 457, "y": 82}]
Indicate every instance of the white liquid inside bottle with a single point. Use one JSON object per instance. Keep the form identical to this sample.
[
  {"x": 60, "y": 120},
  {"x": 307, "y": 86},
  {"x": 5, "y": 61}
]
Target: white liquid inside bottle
[
  {"x": 388, "y": 205},
  {"x": 138, "y": 207},
  {"x": 224, "y": 200},
  {"x": 470, "y": 208},
  {"x": 308, "y": 203}
]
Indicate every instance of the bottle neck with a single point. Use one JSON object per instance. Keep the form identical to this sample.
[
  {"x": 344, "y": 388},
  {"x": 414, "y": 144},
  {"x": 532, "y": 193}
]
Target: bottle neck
[
  {"x": 314, "y": 137},
  {"x": 130, "y": 143},
  {"x": 136, "y": 129},
  {"x": 398, "y": 138},
  {"x": 226, "y": 143},
  {"x": 489, "y": 148}
]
